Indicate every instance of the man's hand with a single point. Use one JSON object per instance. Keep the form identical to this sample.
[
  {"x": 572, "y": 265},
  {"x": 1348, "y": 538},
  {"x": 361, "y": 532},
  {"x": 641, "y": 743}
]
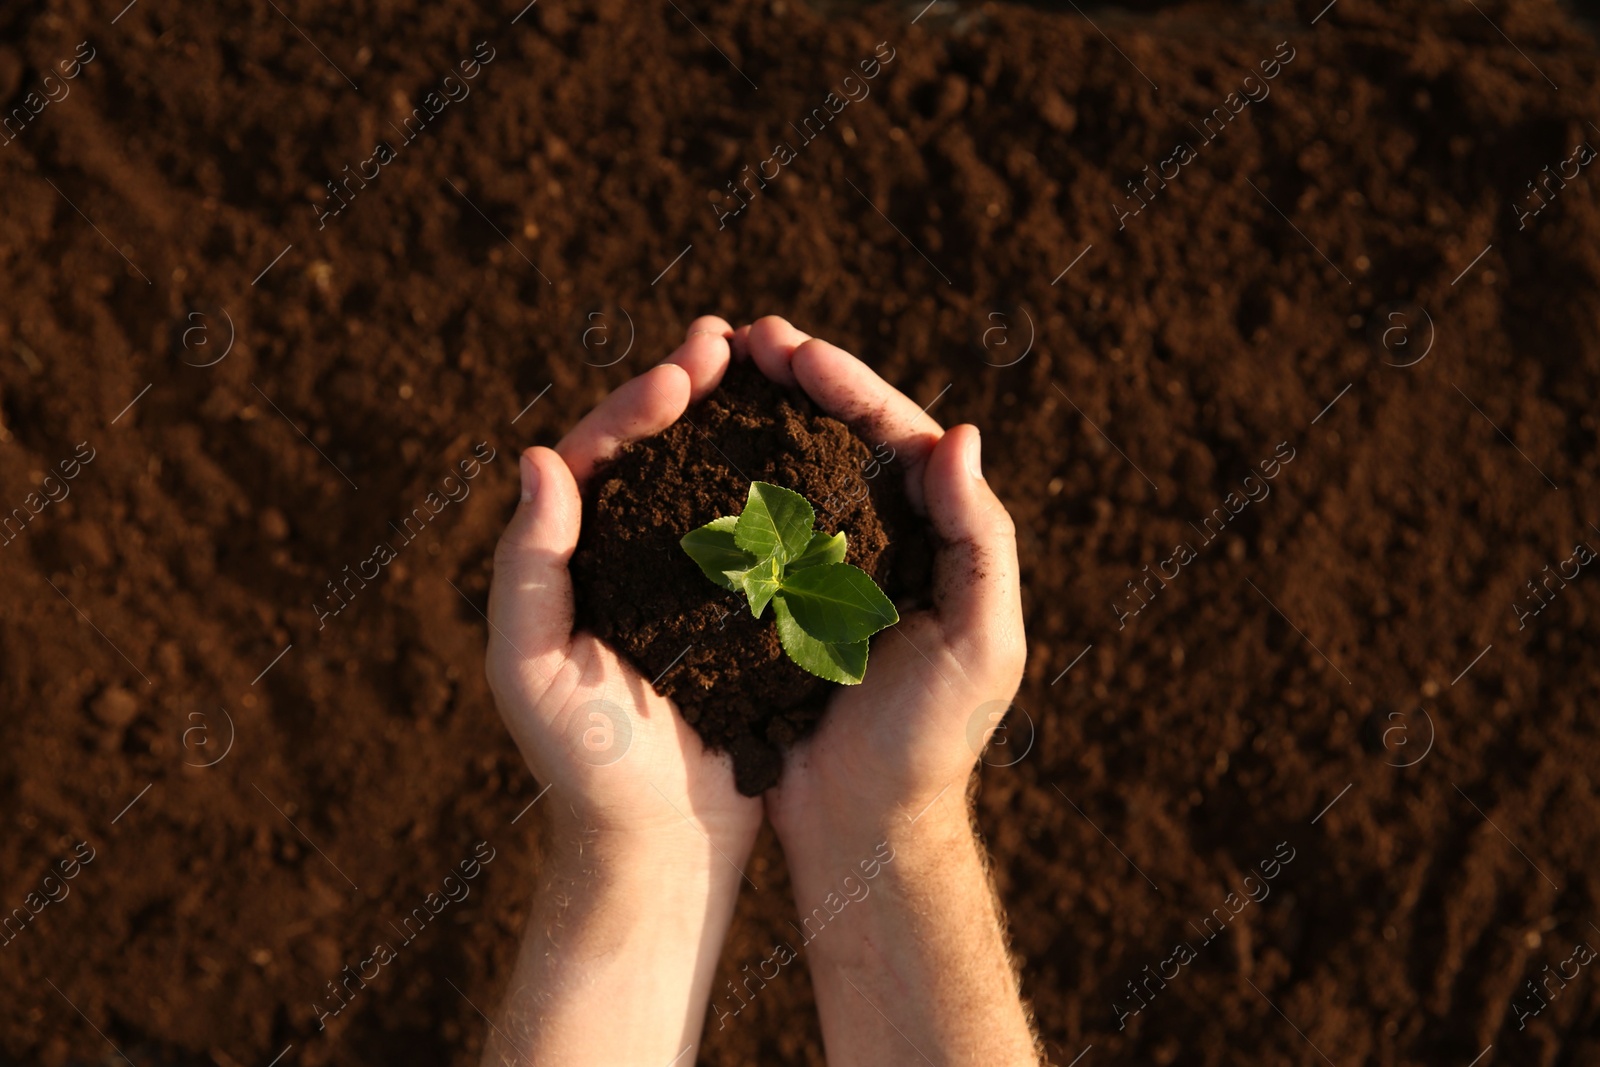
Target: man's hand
[
  {"x": 618, "y": 757},
  {"x": 645, "y": 835},
  {"x": 899, "y": 741},
  {"x": 914, "y": 966}
]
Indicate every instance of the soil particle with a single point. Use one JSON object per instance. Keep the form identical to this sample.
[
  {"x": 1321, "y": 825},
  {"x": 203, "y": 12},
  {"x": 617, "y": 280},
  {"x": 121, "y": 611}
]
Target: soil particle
[{"x": 115, "y": 707}]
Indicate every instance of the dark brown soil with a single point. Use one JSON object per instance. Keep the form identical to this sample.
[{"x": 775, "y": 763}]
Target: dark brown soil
[
  {"x": 638, "y": 590},
  {"x": 1380, "y": 578}
]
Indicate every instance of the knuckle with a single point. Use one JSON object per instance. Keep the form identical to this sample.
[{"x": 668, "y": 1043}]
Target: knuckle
[
  {"x": 506, "y": 552},
  {"x": 1002, "y": 527},
  {"x": 994, "y": 519}
]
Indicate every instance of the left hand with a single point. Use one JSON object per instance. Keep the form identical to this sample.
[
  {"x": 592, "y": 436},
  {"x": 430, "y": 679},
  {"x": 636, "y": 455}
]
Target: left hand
[{"x": 568, "y": 699}]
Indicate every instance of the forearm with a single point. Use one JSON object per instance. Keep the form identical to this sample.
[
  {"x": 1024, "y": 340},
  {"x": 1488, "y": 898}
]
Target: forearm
[
  {"x": 618, "y": 956},
  {"x": 915, "y": 970}
]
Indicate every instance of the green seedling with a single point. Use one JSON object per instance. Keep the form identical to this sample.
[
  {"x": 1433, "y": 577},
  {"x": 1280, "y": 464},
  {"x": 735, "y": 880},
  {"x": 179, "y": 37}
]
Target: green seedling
[{"x": 825, "y": 609}]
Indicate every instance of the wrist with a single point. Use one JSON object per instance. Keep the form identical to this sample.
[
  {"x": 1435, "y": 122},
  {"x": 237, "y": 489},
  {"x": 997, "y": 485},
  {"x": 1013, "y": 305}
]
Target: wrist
[
  {"x": 833, "y": 843},
  {"x": 818, "y": 826},
  {"x": 677, "y": 853}
]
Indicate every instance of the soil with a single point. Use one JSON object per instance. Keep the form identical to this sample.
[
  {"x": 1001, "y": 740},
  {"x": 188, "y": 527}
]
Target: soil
[
  {"x": 637, "y": 589},
  {"x": 179, "y": 591}
]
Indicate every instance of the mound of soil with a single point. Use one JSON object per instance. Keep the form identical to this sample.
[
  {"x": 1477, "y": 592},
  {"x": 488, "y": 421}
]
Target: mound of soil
[{"x": 639, "y": 591}]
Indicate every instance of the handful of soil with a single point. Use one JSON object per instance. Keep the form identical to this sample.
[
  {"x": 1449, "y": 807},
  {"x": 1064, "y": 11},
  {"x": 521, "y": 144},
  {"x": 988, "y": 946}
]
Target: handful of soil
[{"x": 637, "y": 590}]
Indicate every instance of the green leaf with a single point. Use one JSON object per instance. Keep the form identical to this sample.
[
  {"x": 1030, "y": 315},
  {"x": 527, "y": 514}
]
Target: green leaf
[
  {"x": 825, "y": 609},
  {"x": 842, "y": 663},
  {"x": 775, "y": 522},
  {"x": 759, "y": 583},
  {"x": 712, "y": 547},
  {"x": 821, "y": 549},
  {"x": 837, "y": 603}
]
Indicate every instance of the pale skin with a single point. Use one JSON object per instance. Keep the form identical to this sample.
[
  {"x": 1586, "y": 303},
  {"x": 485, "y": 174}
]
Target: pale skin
[{"x": 644, "y": 854}]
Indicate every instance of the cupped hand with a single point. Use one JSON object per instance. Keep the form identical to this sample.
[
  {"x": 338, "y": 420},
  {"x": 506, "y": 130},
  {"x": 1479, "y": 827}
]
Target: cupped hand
[
  {"x": 617, "y": 757},
  {"x": 911, "y": 733}
]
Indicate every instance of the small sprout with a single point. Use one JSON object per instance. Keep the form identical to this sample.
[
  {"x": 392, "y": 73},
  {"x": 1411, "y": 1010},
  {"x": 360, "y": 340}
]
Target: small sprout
[{"x": 825, "y": 608}]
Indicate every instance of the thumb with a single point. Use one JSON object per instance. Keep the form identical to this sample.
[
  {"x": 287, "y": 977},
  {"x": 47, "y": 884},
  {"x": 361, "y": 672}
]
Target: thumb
[
  {"x": 976, "y": 586},
  {"x": 530, "y": 599}
]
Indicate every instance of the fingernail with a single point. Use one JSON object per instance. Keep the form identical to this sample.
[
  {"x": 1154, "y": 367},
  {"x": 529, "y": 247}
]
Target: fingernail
[
  {"x": 530, "y": 478},
  {"x": 975, "y": 455}
]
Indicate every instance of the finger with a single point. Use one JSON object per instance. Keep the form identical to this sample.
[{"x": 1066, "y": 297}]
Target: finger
[
  {"x": 638, "y": 408},
  {"x": 976, "y": 590},
  {"x": 712, "y": 324},
  {"x": 772, "y": 342},
  {"x": 740, "y": 342},
  {"x": 530, "y": 599},
  {"x": 704, "y": 357},
  {"x": 852, "y": 392}
]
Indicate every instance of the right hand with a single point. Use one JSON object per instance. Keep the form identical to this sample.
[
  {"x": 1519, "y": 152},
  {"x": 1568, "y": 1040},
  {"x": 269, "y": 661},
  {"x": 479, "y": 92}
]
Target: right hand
[{"x": 900, "y": 741}]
